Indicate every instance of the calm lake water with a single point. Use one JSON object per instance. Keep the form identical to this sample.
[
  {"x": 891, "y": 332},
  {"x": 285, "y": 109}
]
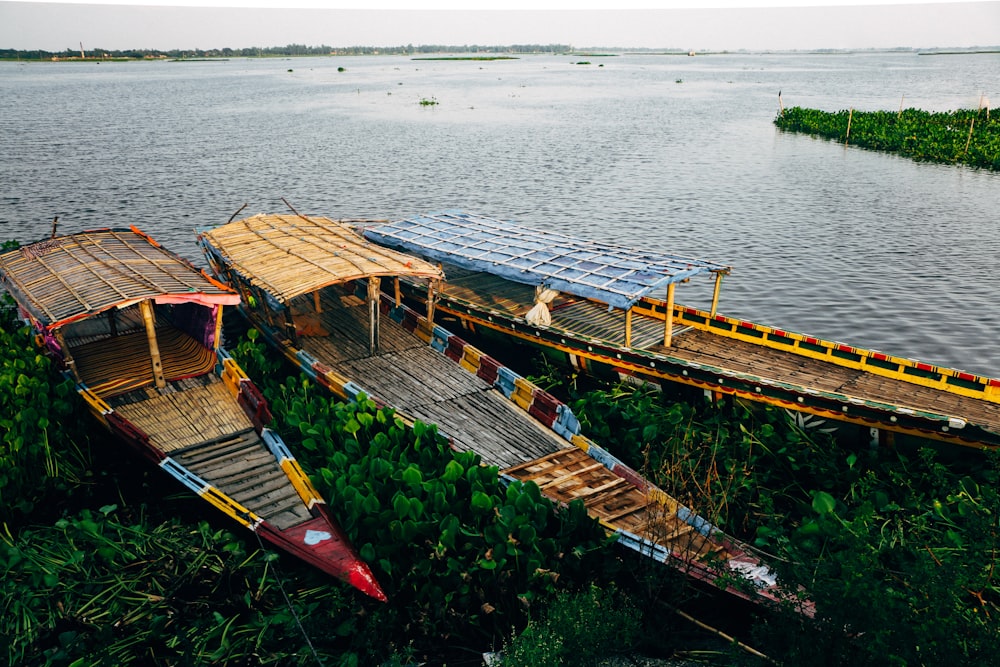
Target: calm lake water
[{"x": 671, "y": 152}]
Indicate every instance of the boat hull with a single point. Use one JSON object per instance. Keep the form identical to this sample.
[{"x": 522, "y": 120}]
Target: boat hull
[
  {"x": 886, "y": 421},
  {"x": 245, "y": 475}
]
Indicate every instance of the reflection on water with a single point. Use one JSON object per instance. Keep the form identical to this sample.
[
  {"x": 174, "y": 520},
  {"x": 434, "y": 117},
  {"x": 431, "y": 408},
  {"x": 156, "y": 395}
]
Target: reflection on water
[{"x": 670, "y": 152}]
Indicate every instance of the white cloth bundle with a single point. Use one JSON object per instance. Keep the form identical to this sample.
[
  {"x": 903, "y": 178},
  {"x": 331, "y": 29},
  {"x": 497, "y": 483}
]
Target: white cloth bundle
[{"x": 539, "y": 314}]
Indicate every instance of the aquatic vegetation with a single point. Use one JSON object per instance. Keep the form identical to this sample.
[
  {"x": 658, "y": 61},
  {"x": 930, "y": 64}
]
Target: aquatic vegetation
[
  {"x": 43, "y": 452},
  {"x": 898, "y": 546},
  {"x": 964, "y": 136}
]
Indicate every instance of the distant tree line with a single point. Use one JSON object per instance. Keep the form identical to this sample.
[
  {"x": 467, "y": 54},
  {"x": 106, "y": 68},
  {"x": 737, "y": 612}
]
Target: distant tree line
[{"x": 271, "y": 51}]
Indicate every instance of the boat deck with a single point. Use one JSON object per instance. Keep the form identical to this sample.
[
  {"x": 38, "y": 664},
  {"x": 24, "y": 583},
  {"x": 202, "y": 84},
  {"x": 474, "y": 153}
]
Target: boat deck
[
  {"x": 694, "y": 345},
  {"x": 198, "y": 422},
  {"x": 419, "y": 381},
  {"x": 415, "y": 379},
  {"x": 571, "y": 474}
]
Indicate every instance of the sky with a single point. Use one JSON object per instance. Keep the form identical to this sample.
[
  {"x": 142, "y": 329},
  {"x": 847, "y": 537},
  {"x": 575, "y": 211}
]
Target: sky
[{"x": 685, "y": 24}]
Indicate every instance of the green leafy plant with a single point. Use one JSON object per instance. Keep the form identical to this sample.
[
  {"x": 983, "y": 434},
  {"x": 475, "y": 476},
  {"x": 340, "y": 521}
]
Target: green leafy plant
[
  {"x": 577, "y": 628},
  {"x": 43, "y": 450},
  {"x": 964, "y": 136}
]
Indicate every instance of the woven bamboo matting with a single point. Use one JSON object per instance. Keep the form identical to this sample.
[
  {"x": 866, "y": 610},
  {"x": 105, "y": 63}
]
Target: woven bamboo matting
[
  {"x": 123, "y": 363},
  {"x": 289, "y": 255},
  {"x": 186, "y": 416},
  {"x": 86, "y": 273}
]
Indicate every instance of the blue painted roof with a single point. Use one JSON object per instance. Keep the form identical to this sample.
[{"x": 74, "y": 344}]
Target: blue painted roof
[{"x": 616, "y": 275}]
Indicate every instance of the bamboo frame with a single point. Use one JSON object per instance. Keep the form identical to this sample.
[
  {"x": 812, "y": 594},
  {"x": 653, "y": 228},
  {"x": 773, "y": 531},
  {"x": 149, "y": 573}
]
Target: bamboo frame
[
  {"x": 431, "y": 292},
  {"x": 715, "y": 292},
  {"x": 373, "y": 314},
  {"x": 668, "y": 317},
  {"x": 628, "y": 328},
  {"x": 146, "y": 308},
  {"x": 68, "y": 359},
  {"x": 218, "y": 328}
]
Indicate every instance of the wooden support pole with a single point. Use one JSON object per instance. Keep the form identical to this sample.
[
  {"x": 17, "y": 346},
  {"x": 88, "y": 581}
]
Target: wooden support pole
[
  {"x": 316, "y": 303},
  {"x": 849, "y": 117},
  {"x": 628, "y": 328},
  {"x": 431, "y": 293},
  {"x": 715, "y": 292},
  {"x": 373, "y": 314},
  {"x": 218, "y": 328},
  {"x": 146, "y": 308},
  {"x": 972, "y": 124},
  {"x": 397, "y": 292},
  {"x": 668, "y": 317},
  {"x": 290, "y": 326},
  {"x": 67, "y": 357}
]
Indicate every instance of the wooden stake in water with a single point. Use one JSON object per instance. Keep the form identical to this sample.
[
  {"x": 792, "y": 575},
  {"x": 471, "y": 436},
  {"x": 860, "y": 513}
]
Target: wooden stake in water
[
  {"x": 972, "y": 124},
  {"x": 849, "y": 117},
  {"x": 781, "y": 105},
  {"x": 901, "y": 98}
]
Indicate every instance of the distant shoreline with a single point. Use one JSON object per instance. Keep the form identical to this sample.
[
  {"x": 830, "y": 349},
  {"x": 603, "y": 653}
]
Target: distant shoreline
[{"x": 438, "y": 52}]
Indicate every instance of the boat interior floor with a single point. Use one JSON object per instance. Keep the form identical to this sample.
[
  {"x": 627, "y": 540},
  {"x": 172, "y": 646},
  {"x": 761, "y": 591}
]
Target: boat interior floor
[
  {"x": 421, "y": 383},
  {"x": 580, "y": 316},
  {"x": 119, "y": 364},
  {"x": 184, "y": 413},
  {"x": 201, "y": 426},
  {"x": 702, "y": 347}
]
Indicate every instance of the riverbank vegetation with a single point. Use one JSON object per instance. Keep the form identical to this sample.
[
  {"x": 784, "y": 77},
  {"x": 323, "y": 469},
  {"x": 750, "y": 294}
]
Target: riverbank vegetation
[
  {"x": 964, "y": 136},
  {"x": 103, "y": 564}
]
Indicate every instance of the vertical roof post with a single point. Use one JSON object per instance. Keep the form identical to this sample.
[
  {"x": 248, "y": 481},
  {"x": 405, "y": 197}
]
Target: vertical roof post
[
  {"x": 668, "y": 317},
  {"x": 146, "y": 308},
  {"x": 218, "y": 327},
  {"x": 373, "y": 314},
  {"x": 431, "y": 293},
  {"x": 628, "y": 328},
  {"x": 715, "y": 293}
]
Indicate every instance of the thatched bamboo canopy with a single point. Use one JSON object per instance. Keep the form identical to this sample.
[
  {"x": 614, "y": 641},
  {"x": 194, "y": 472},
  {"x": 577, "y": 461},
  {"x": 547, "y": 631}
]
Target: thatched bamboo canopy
[
  {"x": 291, "y": 255},
  {"x": 71, "y": 277}
]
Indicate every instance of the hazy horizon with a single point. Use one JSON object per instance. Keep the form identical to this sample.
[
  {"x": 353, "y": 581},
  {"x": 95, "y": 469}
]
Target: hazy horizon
[{"x": 55, "y": 26}]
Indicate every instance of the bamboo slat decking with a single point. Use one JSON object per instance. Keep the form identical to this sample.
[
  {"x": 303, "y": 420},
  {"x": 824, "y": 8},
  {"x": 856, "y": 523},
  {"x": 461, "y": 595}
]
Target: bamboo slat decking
[
  {"x": 423, "y": 384},
  {"x": 185, "y": 413},
  {"x": 242, "y": 467},
  {"x": 702, "y": 347},
  {"x": 199, "y": 424}
]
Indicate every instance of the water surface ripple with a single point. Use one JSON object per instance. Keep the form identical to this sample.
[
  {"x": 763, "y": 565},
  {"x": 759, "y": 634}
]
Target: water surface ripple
[{"x": 670, "y": 152}]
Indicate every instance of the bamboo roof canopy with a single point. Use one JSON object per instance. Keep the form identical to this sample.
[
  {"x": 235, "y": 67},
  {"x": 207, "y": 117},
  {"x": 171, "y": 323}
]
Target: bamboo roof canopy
[
  {"x": 613, "y": 274},
  {"x": 291, "y": 255},
  {"x": 66, "y": 278}
]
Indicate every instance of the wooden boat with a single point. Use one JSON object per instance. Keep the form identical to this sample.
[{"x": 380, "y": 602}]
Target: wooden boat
[
  {"x": 312, "y": 287},
  {"x": 591, "y": 305},
  {"x": 137, "y": 328}
]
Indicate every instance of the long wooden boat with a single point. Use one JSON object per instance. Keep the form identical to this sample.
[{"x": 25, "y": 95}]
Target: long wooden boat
[
  {"x": 137, "y": 328},
  {"x": 592, "y": 305},
  {"x": 311, "y": 285}
]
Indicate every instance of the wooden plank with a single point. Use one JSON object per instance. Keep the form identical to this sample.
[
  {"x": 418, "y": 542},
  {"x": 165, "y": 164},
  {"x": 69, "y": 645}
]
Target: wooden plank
[{"x": 514, "y": 469}]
